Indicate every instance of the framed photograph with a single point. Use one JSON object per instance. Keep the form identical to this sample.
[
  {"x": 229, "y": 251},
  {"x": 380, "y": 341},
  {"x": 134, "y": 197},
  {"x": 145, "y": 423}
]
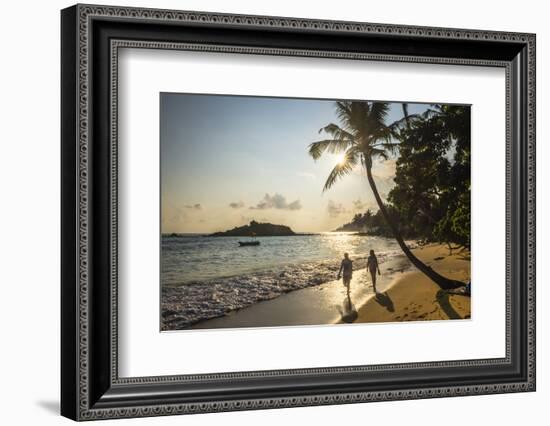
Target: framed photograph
[{"x": 263, "y": 212}]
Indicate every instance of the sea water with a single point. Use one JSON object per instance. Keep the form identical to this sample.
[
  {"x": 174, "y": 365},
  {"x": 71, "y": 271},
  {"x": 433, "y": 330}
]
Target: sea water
[
  {"x": 206, "y": 277},
  {"x": 188, "y": 258}
]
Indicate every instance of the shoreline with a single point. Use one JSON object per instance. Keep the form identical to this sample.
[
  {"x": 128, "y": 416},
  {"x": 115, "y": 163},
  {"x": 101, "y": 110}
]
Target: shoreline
[
  {"x": 320, "y": 304},
  {"x": 404, "y": 294}
]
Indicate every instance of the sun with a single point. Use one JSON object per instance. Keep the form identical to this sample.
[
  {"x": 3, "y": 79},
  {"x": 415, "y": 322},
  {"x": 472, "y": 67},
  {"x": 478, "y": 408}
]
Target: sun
[{"x": 340, "y": 159}]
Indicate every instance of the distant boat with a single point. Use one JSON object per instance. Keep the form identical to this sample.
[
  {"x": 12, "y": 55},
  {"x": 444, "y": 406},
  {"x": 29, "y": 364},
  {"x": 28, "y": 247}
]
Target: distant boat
[
  {"x": 249, "y": 243},
  {"x": 252, "y": 242}
]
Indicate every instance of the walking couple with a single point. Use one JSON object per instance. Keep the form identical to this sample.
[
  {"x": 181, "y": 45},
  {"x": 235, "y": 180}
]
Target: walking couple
[{"x": 346, "y": 269}]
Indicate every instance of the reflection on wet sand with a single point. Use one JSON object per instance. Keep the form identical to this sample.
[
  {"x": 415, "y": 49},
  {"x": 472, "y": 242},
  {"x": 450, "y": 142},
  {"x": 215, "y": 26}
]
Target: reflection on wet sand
[{"x": 348, "y": 313}]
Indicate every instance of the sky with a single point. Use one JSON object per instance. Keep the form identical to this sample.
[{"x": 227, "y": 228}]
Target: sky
[{"x": 227, "y": 160}]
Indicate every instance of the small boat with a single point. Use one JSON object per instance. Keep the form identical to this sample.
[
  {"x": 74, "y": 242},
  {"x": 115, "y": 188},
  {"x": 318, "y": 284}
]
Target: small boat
[{"x": 249, "y": 243}]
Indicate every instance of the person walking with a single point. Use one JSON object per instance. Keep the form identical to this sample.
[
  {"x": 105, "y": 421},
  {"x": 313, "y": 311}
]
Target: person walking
[
  {"x": 346, "y": 270},
  {"x": 372, "y": 266}
]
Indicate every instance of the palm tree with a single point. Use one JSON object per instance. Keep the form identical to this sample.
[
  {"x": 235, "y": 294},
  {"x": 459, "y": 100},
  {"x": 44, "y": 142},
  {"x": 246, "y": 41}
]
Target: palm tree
[{"x": 363, "y": 136}]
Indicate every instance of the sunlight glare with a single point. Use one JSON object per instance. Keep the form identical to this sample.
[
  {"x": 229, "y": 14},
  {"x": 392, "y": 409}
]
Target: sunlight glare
[{"x": 340, "y": 159}]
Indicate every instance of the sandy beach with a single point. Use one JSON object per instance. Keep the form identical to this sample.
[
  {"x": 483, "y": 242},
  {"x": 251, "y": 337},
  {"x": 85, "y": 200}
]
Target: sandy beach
[
  {"x": 326, "y": 303},
  {"x": 414, "y": 297}
]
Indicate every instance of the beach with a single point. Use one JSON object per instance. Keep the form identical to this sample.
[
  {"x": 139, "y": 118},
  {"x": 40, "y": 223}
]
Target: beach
[
  {"x": 208, "y": 277},
  {"x": 252, "y": 238},
  {"x": 404, "y": 294},
  {"x": 326, "y": 303},
  {"x": 414, "y": 297}
]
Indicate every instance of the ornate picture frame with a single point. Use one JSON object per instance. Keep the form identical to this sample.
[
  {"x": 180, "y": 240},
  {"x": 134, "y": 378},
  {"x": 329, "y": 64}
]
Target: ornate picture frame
[{"x": 91, "y": 37}]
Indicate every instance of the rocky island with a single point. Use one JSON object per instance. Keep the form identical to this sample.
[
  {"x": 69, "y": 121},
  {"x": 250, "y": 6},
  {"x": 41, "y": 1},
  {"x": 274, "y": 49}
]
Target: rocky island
[{"x": 256, "y": 229}]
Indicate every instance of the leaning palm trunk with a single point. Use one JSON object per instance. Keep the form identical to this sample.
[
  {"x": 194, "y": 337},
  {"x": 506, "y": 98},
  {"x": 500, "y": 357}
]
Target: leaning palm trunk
[
  {"x": 364, "y": 136},
  {"x": 441, "y": 281}
]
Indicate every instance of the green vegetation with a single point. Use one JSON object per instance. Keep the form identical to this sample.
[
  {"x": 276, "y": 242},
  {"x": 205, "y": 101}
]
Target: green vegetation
[
  {"x": 431, "y": 197},
  {"x": 432, "y": 181},
  {"x": 373, "y": 223}
]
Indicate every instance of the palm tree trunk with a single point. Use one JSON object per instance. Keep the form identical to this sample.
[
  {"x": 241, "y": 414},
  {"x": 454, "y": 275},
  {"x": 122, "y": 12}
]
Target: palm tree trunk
[
  {"x": 441, "y": 281},
  {"x": 405, "y": 108}
]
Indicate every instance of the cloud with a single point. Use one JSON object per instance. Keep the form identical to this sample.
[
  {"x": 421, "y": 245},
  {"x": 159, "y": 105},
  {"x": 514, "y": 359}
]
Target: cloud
[
  {"x": 176, "y": 215},
  {"x": 306, "y": 175},
  {"x": 277, "y": 201},
  {"x": 236, "y": 205},
  {"x": 384, "y": 169},
  {"x": 335, "y": 209},
  {"x": 358, "y": 205},
  {"x": 193, "y": 206}
]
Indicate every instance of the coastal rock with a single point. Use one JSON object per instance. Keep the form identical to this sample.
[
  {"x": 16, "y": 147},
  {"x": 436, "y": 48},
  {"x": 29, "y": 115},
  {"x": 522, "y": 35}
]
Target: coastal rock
[{"x": 257, "y": 229}]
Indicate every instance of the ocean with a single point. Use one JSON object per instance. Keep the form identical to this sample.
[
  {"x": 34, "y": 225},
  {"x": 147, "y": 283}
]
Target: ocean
[{"x": 205, "y": 277}]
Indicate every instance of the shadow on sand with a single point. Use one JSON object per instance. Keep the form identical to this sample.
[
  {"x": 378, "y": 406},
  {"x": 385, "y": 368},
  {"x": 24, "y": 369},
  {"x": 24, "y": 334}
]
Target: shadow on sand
[
  {"x": 348, "y": 313},
  {"x": 442, "y": 298},
  {"x": 385, "y": 301}
]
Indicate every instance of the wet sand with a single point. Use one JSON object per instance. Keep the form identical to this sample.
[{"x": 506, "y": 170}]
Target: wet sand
[{"x": 322, "y": 304}]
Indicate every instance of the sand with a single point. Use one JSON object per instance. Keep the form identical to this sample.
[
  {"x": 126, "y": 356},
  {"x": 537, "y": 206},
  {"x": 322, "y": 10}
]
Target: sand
[
  {"x": 326, "y": 303},
  {"x": 404, "y": 295},
  {"x": 414, "y": 297}
]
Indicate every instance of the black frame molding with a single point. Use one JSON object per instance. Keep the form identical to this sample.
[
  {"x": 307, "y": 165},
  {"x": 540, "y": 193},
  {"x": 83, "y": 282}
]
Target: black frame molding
[{"x": 90, "y": 38}]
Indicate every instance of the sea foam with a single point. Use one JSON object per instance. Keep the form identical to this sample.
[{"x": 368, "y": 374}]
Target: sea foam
[{"x": 185, "y": 305}]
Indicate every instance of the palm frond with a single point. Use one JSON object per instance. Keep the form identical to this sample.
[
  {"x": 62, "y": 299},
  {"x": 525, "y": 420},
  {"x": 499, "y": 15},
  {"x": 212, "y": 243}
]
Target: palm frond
[
  {"x": 378, "y": 152},
  {"x": 334, "y": 146},
  {"x": 362, "y": 133},
  {"x": 431, "y": 112},
  {"x": 341, "y": 169},
  {"x": 405, "y": 107},
  {"x": 401, "y": 121},
  {"x": 343, "y": 110},
  {"x": 336, "y": 131},
  {"x": 379, "y": 111}
]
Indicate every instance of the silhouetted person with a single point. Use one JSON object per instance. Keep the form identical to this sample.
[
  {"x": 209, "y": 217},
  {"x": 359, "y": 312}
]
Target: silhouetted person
[
  {"x": 346, "y": 270},
  {"x": 372, "y": 266}
]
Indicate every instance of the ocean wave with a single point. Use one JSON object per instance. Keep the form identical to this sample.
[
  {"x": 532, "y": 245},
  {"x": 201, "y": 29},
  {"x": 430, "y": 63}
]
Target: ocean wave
[{"x": 185, "y": 305}]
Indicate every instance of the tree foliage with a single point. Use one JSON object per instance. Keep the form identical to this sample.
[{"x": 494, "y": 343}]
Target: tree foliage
[
  {"x": 431, "y": 197},
  {"x": 432, "y": 182}
]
